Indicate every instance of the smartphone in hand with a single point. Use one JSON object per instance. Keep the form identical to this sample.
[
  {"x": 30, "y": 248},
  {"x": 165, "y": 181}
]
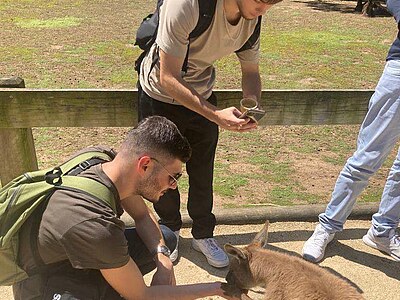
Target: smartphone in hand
[{"x": 255, "y": 114}]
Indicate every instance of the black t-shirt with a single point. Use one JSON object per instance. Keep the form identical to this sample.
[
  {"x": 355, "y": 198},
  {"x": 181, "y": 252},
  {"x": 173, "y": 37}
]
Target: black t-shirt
[{"x": 394, "y": 8}]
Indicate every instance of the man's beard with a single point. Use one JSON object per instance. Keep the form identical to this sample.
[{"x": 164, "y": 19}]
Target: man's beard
[{"x": 150, "y": 189}]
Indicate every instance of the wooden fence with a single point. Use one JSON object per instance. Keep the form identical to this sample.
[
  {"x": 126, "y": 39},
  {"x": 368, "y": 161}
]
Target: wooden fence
[{"x": 21, "y": 109}]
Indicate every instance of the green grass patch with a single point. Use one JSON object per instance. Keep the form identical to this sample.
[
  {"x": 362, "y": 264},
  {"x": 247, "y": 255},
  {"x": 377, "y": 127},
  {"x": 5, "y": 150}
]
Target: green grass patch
[
  {"x": 124, "y": 76},
  {"x": 18, "y": 53},
  {"x": 288, "y": 196},
  {"x": 226, "y": 186},
  {"x": 77, "y": 45},
  {"x": 371, "y": 194},
  {"x": 336, "y": 161},
  {"x": 49, "y": 24},
  {"x": 278, "y": 171},
  {"x": 226, "y": 183}
]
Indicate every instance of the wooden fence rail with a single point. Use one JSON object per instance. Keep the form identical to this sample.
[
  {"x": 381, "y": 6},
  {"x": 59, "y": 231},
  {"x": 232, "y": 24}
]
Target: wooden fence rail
[{"x": 27, "y": 108}]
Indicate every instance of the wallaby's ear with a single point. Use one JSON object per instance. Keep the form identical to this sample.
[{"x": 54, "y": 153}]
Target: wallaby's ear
[
  {"x": 235, "y": 252},
  {"x": 261, "y": 238}
]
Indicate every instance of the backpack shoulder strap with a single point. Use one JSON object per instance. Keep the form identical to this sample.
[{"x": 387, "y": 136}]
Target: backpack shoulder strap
[
  {"x": 206, "y": 15},
  {"x": 76, "y": 164},
  {"x": 63, "y": 177},
  {"x": 83, "y": 161},
  {"x": 81, "y": 158},
  {"x": 253, "y": 38},
  {"x": 89, "y": 186}
]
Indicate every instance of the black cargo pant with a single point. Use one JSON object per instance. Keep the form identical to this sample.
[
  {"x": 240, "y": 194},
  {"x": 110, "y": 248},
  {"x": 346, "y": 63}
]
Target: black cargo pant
[{"x": 202, "y": 135}]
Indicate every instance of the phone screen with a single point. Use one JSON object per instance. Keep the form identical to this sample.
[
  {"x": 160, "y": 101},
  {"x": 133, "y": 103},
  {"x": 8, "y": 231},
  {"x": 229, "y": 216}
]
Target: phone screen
[{"x": 254, "y": 114}]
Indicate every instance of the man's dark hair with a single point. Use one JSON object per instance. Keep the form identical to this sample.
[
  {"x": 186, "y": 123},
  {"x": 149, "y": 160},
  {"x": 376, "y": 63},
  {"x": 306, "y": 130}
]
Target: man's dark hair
[{"x": 157, "y": 136}]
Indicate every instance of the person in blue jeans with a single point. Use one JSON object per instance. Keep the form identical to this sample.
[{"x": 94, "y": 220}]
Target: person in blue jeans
[{"x": 379, "y": 133}]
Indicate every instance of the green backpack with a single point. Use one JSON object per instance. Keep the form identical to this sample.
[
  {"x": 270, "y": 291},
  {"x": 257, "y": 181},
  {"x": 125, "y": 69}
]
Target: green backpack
[{"x": 20, "y": 198}]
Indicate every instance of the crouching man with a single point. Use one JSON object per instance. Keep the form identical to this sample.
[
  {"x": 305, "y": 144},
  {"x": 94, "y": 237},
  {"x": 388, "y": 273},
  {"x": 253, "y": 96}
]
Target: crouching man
[{"x": 86, "y": 250}]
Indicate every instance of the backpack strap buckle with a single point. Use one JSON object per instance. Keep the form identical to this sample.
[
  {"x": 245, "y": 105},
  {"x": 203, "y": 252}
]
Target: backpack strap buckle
[
  {"x": 84, "y": 165},
  {"x": 52, "y": 175}
]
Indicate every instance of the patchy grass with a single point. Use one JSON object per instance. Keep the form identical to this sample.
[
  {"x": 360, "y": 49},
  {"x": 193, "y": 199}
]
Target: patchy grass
[
  {"x": 305, "y": 44},
  {"x": 50, "y": 24}
]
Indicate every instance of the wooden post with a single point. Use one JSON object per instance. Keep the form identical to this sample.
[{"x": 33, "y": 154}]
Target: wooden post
[{"x": 17, "y": 148}]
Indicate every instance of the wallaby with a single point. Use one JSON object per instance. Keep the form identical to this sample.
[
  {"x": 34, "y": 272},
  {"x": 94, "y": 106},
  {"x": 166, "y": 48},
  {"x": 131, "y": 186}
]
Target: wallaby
[{"x": 283, "y": 276}]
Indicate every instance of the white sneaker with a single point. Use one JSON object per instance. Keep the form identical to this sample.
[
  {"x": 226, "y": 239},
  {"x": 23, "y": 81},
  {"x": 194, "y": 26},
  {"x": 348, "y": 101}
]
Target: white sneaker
[
  {"x": 174, "y": 255},
  {"x": 216, "y": 257},
  {"x": 390, "y": 245},
  {"x": 314, "y": 247}
]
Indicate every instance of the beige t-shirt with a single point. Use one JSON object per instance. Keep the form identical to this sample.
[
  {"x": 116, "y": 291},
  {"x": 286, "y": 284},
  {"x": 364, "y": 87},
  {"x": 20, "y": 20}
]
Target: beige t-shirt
[{"x": 178, "y": 18}]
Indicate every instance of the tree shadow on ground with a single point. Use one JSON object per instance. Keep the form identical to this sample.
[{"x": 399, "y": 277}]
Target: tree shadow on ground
[{"x": 345, "y": 8}]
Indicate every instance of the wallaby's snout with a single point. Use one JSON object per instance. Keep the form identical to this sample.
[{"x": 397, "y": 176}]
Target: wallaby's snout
[
  {"x": 230, "y": 279},
  {"x": 239, "y": 267},
  {"x": 239, "y": 273}
]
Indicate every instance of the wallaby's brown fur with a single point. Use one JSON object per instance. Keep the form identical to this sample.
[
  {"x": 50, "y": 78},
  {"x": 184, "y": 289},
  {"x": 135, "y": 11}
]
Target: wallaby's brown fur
[{"x": 283, "y": 276}]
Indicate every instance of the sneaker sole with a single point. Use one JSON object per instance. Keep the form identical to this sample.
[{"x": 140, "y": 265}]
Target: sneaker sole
[
  {"x": 367, "y": 241},
  {"x": 312, "y": 258},
  {"x": 210, "y": 262}
]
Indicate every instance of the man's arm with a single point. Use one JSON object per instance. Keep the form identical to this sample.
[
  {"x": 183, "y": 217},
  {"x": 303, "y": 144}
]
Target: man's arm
[
  {"x": 181, "y": 91},
  {"x": 251, "y": 81},
  {"x": 128, "y": 281},
  {"x": 149, "y": 231},
  {"x": 146, "y": 224}
]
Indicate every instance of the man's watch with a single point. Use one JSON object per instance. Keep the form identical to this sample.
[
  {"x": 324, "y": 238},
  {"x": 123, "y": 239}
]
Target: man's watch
[{"x": 162, "y": 249}]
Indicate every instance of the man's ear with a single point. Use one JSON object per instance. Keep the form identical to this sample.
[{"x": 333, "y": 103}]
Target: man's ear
[{"x": 143, "y": 164}]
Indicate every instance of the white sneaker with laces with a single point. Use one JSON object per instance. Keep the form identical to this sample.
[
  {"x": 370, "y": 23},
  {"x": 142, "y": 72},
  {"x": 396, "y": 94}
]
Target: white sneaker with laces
[
  {"x": 390, "y": 245},
  {"x": 174, "y": 255},
  {"x": 216, "y": 257},
  {"x": 314, "y": 247}
]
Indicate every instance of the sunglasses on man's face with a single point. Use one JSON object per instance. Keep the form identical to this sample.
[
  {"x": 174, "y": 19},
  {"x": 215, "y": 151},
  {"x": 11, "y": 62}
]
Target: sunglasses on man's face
[{"x": 173, "y": 179}]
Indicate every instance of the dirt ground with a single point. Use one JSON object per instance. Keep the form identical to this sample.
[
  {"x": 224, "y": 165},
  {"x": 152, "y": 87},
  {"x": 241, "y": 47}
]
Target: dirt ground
[
  {"x": 374, "y": 274},
  {"x": 96, "y": 56},
  {"x": 277, "y": 165}
]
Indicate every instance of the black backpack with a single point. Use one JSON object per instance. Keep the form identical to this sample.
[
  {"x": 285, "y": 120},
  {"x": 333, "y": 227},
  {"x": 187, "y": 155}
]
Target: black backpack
[{"x": 147, "y": 31}]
